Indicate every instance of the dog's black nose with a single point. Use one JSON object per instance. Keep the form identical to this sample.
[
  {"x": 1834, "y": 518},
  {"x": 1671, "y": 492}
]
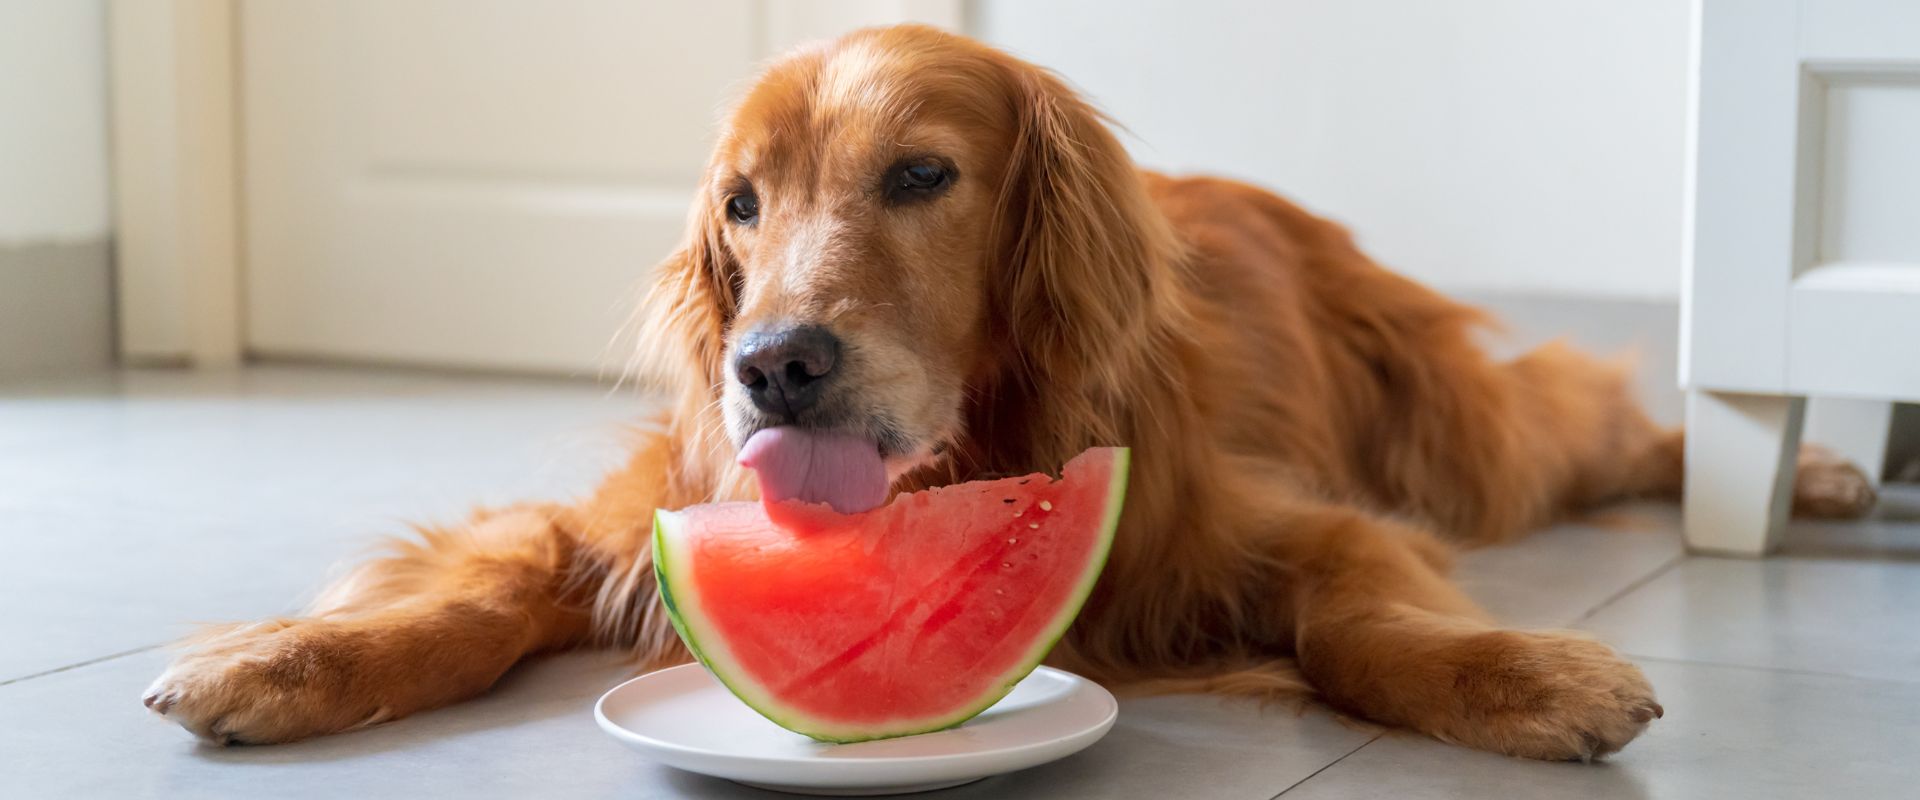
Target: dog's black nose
[{"x": 784, "y": 369}]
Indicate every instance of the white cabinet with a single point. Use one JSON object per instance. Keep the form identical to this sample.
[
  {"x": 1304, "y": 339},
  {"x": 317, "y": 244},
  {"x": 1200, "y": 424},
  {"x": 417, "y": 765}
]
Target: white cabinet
[{"x": 1803, "y": 262}]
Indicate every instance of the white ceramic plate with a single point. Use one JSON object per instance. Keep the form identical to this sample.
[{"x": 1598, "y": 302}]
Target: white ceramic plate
[{"x": 683, "y": 718}]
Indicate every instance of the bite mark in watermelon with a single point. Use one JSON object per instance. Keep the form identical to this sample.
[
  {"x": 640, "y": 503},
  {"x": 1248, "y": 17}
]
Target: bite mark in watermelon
[{"x": 910, "y": 618}]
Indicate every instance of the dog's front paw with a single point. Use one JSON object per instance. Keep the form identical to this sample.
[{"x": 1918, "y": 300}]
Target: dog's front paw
[
  {"x": 1549, "y": 696},
  {"x": 266, "y": 682}
]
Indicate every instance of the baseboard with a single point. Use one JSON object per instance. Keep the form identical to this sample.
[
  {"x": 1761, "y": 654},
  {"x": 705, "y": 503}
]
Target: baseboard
[
  {"x": 56, "y": 306},
  {"x": 1643, "y": 331}
]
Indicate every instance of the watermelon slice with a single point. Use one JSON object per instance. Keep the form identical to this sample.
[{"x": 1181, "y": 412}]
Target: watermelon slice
[{"x": 909, "y": 618}]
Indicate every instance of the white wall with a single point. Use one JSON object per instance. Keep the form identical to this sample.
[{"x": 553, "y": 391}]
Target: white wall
[
  {"x": 53, "y": 128},
  {"x": 1478, "y": 145}
]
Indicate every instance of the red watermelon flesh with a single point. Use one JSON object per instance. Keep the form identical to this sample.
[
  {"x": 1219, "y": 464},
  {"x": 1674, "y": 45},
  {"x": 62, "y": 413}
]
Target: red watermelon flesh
[{"x": 909, "y": 618}]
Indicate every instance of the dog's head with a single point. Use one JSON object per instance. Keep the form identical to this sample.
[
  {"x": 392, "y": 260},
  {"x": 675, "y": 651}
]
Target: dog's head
[{"x": 893, "y": 226}]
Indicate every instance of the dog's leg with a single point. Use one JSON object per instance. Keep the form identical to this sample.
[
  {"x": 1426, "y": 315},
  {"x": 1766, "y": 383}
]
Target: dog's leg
[
  {"x": 438, "y": 621},
  {"x": 1379, "y": 631},
  {"x": 1577, "y": 411}
]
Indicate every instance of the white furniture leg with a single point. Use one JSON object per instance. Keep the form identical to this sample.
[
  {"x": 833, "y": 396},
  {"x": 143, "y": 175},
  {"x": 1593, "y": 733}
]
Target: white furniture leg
[
  {"x": 1855, "y": 429},
  {"x": 1741, "y": 450}
]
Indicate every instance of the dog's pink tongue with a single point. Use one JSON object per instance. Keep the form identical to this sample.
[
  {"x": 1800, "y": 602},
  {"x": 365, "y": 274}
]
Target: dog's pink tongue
[{"x": 796, "y": 464}]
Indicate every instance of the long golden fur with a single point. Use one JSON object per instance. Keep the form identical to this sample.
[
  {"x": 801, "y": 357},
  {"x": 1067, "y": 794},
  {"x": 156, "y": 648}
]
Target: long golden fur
[{"x": 1310, "y": 430}]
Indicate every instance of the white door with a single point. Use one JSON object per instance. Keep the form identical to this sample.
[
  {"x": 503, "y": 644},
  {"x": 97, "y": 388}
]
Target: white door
[{"x": 482, "y": 183}]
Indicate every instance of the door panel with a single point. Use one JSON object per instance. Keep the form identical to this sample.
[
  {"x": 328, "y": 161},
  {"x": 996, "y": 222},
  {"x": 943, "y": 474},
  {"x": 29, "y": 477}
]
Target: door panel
[
  {"x": 471, "y": 183},
  {"x": 1870, "y": 175},
  {"x": 1856, "y": 293}
]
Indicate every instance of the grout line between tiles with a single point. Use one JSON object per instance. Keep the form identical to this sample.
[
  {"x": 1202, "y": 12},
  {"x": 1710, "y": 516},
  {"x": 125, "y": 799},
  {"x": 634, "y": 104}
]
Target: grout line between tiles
[
  {"x": 86, "y": 663},
  {"x": 1630, "y": 588},
  {"x": 1328, "y": 765},
  {"x": 1753, "y": 668}
]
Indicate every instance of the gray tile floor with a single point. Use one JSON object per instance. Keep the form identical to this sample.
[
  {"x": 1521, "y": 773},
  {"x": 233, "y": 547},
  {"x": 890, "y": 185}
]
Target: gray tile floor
[{"x": 135, "y": 503}]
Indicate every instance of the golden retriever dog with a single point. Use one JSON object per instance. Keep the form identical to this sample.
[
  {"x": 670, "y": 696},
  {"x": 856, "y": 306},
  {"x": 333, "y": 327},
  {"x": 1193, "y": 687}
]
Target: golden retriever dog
[{"x": 911, "y": 238}]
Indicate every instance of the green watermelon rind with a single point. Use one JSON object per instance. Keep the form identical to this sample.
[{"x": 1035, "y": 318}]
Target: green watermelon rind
[{"x": 720, "y": 664}]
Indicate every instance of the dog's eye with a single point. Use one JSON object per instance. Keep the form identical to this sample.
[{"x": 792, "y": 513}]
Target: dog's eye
[
  {"x": 922, "y": 176},
  {"x": 918, "y": 180},
  {"x": 743, "y": 208}
]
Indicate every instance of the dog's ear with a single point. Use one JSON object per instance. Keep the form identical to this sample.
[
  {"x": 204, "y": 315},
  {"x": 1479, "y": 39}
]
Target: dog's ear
[
  {"x": 1086, "y": 249},
  {"x": 683, "y": 320}
]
